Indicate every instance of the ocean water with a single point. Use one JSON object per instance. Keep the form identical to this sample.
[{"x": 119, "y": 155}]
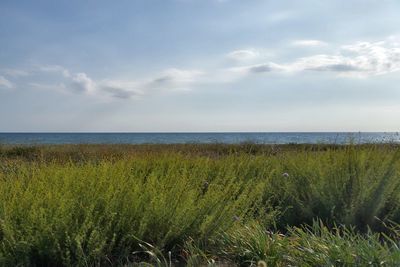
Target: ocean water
[{"x": 176, "y": 138}]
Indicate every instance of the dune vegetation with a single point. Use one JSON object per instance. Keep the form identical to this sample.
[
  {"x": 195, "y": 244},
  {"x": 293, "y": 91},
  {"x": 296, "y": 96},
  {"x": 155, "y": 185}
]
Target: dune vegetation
[{"x": 200, "y": 205}]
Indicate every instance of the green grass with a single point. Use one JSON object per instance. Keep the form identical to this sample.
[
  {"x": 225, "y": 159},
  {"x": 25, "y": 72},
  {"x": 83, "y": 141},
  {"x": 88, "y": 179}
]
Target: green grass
[
  {"x": 288, "y": 205},
  {"x": 315, "y": 245}
]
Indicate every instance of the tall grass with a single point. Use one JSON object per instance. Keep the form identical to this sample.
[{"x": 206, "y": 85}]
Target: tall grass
[
  {"x": 75, "y": 214},
  {"x": 315, "y": 245},
  {"x": 350, "y": 186},
  {"x": 111, "y": 205}
]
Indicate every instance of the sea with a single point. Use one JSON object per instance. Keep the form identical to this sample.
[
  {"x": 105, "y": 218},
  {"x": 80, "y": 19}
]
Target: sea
[{"x": 203, "y": 138}]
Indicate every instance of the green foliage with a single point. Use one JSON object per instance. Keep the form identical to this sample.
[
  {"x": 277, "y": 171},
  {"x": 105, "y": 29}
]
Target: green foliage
[
  {"x": 351, "y": 186},
  {"x": 71, "y": 214},
  {"x": 315, "y": 245},
  {"x": 84, "y": 205}
]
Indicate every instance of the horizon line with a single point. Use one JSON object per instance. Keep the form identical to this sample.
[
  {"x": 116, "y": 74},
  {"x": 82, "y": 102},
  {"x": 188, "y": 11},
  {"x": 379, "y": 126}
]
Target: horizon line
[{"x": 184, "y": 132}]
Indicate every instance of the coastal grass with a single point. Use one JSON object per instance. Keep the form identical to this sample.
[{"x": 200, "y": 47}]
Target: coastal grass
[{"x": 215, "y": 204}]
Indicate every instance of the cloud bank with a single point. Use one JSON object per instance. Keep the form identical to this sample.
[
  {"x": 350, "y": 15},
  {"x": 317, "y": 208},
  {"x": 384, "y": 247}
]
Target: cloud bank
[
  {"x": 361, "y": 59},
  {"x": 81, "y": 82}
]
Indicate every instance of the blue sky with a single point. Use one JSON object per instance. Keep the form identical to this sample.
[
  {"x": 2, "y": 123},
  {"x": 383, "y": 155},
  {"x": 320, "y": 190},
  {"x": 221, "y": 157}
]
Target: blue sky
[{"x": 200, "y": 65}]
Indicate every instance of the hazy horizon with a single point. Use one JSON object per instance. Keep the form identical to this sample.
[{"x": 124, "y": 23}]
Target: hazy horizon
[
  {"x": 199, "y": 66},
  {"x": 170, "y": 132}
]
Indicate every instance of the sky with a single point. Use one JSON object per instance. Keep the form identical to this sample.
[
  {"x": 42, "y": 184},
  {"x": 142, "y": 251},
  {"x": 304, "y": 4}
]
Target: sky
[{"x": 199, "y": 65}]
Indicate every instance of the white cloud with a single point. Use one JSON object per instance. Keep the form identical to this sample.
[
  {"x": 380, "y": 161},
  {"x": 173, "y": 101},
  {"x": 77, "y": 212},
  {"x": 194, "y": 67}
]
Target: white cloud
[
  {"x": 4, "y": 83},
  {"x": 81, "y": 82},
  {"x": 258, "y": 68},
  {"x": 360, "y": 59},
  {"x": 309, "y": 43},
  {"x": 375, "y": 58},
  {"x": 336, "y": 63},
  {"x": 121, "y": 89},
  {"x": 178, "y": 76},
  {"x": 169, "y": 79},
  {"x": 242, "y": 55}
]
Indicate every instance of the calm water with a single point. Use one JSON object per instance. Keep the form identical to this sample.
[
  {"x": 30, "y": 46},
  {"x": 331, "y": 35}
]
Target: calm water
[{"x": 169, "y": 138}]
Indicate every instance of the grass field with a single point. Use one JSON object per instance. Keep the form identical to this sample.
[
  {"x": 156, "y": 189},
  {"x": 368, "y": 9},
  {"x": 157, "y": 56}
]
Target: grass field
[{"x": 200, "y": 205}]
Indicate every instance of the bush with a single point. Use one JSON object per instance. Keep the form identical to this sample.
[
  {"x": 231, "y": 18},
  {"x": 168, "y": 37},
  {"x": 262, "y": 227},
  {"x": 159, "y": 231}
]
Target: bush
[{"x": 108, "y": 205}]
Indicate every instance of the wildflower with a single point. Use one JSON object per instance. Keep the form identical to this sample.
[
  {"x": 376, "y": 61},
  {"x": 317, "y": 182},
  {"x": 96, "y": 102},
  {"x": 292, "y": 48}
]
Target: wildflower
[{"x": 285, "y": 174}]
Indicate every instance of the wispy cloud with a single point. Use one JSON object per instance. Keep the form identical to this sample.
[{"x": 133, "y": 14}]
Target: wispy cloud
[
  {"x": 309, "y": 43},
  {"x": 375, "y": 58},
  {"x": 242, "y": 55},
  {"x": 121, "y": 89},
  {"x": 4, "y": 83},
  {"x": 257, "y": 68},
  {"x": 334, "y": 63},
  {"x": 178, "y": 76},
  {"x": 361, "y": 59},
  {"x": 55, "y": 69},
  {"x": 169, "y": 79}
]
